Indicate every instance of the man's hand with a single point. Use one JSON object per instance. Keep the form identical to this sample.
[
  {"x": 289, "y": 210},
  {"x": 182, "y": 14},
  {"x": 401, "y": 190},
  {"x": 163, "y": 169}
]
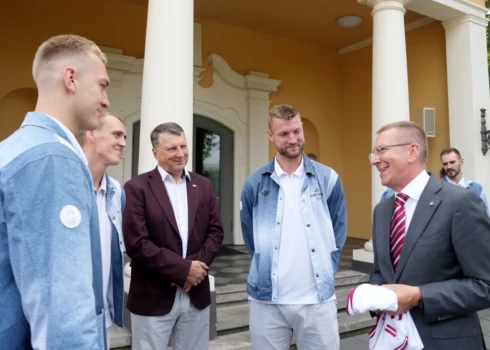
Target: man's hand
[
  {"x": 187, "y": 286},
  {"x": 197, "y": 273},
  {"x": 408, "y": 297}
]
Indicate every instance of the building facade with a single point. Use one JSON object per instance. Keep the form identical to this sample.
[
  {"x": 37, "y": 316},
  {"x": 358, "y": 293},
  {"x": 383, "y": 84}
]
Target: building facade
[{"x": 216, "y": 67}]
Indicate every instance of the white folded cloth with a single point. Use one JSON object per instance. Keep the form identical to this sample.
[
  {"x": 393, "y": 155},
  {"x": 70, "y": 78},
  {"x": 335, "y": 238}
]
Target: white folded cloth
[
  {"x": 367, "y": 297},
  {"x": 390, "y": 332}
]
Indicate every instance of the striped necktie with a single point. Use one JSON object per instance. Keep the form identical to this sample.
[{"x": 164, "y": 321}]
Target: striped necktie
[{"x": 398, "y": 228}]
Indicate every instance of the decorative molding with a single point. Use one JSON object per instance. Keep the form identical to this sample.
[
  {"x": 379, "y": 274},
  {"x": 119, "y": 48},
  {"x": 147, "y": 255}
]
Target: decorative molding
[
  {"x": 445, "y": 10},
  {"x": 254, "y": 80},
  {"x": 411, "y": 26},
  {"x": 221, "y": 67},
  {"x": 197, "y": 73},
  {"x": 465, "y": 19},
  {"x": 261, "y": 83}
]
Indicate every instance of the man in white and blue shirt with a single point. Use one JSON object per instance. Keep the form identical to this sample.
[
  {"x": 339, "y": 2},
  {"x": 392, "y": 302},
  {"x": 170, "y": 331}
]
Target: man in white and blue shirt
[
  {"x": 104, "y": 147},
  {"x": 293, "y": 220}
]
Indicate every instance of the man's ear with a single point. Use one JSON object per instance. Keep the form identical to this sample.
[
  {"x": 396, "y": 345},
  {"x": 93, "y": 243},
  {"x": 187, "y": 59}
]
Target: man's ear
[
  {"x": 91, "y": 135},
  {"x": 413, "y": 152},
  {"x": 69, "y": 79}
]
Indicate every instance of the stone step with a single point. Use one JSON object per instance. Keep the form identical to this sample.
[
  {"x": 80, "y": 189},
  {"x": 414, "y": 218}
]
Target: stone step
[
  {"x": 242, "y": 297},
  {"x": 119, "y": 338}
]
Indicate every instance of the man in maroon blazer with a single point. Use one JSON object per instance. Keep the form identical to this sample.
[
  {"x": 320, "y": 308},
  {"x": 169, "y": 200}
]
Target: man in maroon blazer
[{"x": 172, "y": 230}]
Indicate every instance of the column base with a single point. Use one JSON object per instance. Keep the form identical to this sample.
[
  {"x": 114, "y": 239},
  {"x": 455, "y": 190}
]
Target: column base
[{"x": 363, "y": 261}]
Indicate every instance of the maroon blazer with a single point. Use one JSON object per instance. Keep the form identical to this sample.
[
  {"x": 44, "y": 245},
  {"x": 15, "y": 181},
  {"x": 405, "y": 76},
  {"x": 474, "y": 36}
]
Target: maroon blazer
[{"x": 153, "y": 242}]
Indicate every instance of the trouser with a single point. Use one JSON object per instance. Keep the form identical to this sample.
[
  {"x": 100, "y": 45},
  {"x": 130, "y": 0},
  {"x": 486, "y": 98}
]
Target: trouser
[
  {"x": 272, "y": 326},
  {"x": 188, "y": 326}
]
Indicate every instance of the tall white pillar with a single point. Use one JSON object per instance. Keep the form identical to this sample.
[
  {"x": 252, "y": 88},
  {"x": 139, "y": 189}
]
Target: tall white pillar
[
  {"x": 389, "y": 83},
  {"x": 167, "y": 94},
  {"x": 390, "y": 78},
  {"x": 468, "y": 91}
]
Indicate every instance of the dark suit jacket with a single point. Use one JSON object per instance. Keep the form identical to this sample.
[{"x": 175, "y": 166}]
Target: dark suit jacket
[
  {"x": 153, "y": 242},
  {"x": 447, "y": 254}
]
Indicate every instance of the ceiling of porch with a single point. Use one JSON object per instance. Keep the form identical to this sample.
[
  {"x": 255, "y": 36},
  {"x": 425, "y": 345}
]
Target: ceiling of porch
[{"x": 311, "y": 21}]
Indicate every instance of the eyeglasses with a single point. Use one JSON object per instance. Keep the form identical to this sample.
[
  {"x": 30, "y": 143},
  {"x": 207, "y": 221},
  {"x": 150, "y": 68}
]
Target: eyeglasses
[{"x": 378, "y": 151}]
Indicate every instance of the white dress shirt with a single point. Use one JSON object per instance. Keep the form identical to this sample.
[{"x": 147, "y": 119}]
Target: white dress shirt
[
  {"x": 177, "y": 192},
  {"x": 461, "y": 182},
  {"x": 414, "y": 190},
  {"x": 105, "y": 248}
]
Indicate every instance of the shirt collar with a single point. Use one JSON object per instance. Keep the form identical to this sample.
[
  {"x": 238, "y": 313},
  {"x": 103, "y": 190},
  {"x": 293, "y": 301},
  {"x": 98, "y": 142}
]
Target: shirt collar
[
  {"x": 299, "y": 172},
  {"x": 415, "y": 188},
  {"x": 71, "y": 138},
  {"x": 463, "y": 182},
  {"x": 103, "y": 186},
  {"x": 164, "y": 174}
]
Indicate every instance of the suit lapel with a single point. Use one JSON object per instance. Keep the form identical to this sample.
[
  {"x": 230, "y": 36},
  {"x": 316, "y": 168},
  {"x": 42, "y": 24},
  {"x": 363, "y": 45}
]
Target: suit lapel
[
  {"x": 192, "y": 201},
  {"x": 383, "y": 239},
  {"x": 425, "y": 209},
  {"x": 158, "y": 188}
]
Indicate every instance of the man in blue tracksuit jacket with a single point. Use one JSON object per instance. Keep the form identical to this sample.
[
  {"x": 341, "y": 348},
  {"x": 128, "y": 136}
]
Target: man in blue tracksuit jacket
[
  {"x": 294, "y": 224},
  {"x": 104, "y": 147},
  {"x": 50, "y": 259}
]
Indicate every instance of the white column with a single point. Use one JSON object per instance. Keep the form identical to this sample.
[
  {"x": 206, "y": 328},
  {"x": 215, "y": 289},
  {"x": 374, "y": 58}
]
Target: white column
[
  {"x": 260, "y": 87},
  {"x": 468, "y": 91},
  {"x": 390, "y": 79},
  {"x": 167, "y": 94}
]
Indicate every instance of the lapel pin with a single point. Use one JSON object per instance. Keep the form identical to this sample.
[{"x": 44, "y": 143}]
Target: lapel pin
[
  {"x": 194, "y": 185},
  {"x": 431, "y": 203}
]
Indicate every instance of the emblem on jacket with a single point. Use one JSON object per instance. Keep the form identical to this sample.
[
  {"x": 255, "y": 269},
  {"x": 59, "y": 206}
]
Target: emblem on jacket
[{"x": 316, "y": 194}]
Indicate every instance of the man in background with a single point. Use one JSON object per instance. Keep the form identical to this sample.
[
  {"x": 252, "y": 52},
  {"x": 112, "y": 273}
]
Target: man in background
[{"x": 452, "y": 163}]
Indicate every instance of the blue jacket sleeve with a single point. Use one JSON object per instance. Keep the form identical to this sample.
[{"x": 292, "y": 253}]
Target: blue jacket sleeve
[
  {"x": 48, "y": 211},
  {"x": 484, "y": 198},
  {"x": 246, "y": 216},
  {"x": 338, "y": 214}
]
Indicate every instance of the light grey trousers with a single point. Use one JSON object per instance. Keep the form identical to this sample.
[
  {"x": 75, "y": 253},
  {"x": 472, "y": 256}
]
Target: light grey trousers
[
  {"x": 188, "y": 327},
  {"x": 314, "y": 327}
]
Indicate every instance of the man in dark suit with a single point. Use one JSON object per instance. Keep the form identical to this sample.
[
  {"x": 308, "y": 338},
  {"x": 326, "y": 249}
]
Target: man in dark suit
[
  {"x": 430, "y": 243},
  {"x": 172, "y": 230}
]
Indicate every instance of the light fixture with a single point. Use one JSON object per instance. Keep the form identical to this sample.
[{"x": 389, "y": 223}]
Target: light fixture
[{"x": 349, "y": 21}]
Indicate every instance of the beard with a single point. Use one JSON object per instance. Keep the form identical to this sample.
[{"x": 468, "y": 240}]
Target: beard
[
  {"x": 286, "y": 152},
  {"x": 453, "y": 173}
]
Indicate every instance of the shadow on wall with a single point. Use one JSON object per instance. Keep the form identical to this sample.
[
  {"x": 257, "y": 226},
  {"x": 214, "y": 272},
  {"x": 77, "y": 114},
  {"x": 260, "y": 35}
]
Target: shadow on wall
[{"x": 13, "y": 108}]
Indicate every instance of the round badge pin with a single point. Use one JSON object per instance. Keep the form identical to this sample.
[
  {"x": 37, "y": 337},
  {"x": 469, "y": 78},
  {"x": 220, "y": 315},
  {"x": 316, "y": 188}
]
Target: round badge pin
[{"x": 70, "y": 216}]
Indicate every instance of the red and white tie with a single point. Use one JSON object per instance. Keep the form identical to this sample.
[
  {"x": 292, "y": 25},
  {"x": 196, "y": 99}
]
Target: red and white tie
[{"x": 397, "y": 229}]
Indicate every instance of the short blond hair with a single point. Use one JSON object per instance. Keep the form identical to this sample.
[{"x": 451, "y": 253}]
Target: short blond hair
[
  {"x": 413, "y": 133},
  {"x": 102, "y": 120},
  {"x": 284, "y": 112},
  {"x": 61, "y": 45}
]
